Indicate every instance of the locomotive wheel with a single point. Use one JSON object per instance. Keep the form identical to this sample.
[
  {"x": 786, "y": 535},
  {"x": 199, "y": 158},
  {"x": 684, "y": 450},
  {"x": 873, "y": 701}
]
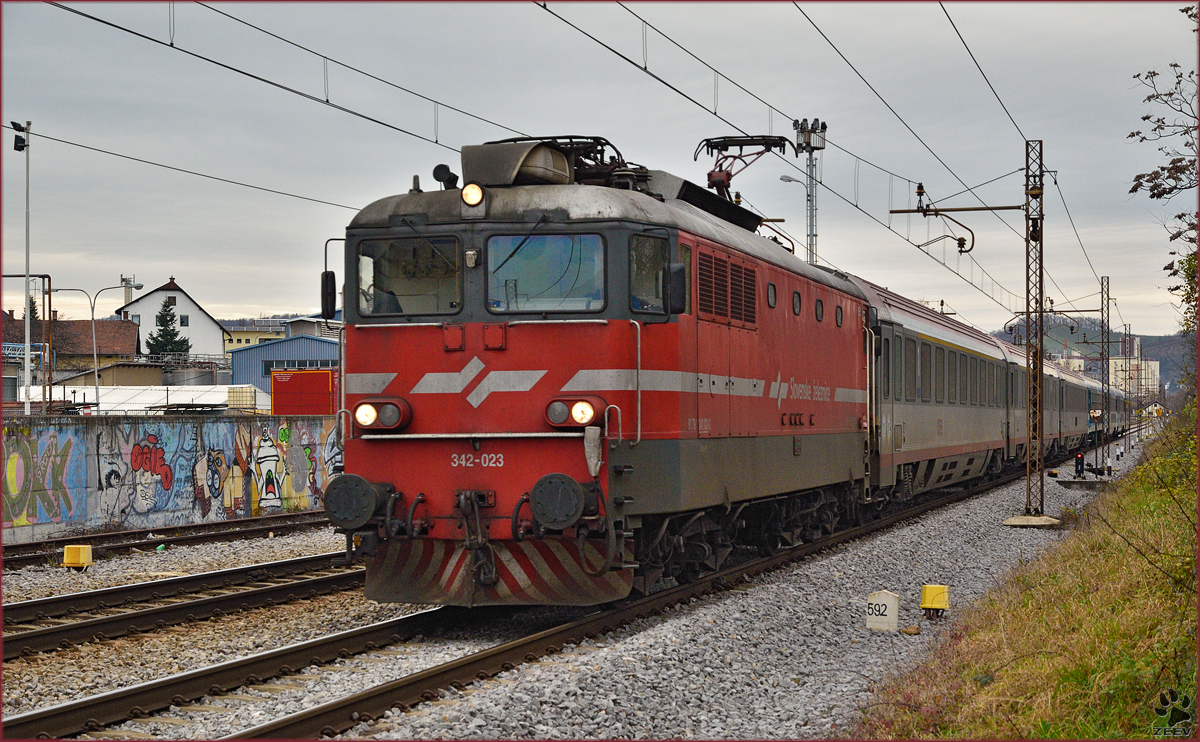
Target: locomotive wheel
[{"x": 689, "y": 573}]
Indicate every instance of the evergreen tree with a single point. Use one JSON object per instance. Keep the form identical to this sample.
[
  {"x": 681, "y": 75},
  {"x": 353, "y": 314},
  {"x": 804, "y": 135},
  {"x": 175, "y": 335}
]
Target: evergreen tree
[
  {"x": 167, "y": 339},
  {"x": 32, "y": 310}
]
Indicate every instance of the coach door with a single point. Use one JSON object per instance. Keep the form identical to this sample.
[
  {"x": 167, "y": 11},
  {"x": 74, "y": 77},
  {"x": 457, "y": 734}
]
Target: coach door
[
  {"x": 885, "y": 391},
  {"x": 712, "y": 341}
]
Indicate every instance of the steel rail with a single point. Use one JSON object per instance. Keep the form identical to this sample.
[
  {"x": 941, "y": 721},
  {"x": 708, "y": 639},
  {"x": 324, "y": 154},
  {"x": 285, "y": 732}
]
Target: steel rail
[
  {"x": 135, "y": 621},
  {"x": 54, "y": 606},
  {"x": 139, "y": 701},
  {"x": 37, "y": 552},
  {"x": 94, "y": 712},
  {"x": 337, "y": 716}
]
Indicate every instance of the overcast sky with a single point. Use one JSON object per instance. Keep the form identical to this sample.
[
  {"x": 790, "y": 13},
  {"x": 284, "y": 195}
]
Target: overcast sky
[{"x": 1063, "y": 70}]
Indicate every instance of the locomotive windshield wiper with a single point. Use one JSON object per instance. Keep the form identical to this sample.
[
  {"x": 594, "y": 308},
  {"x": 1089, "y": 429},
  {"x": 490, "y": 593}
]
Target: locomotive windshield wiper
[
  {"x": 434, "y": 248},
  {"x": 511, "y": 255}
]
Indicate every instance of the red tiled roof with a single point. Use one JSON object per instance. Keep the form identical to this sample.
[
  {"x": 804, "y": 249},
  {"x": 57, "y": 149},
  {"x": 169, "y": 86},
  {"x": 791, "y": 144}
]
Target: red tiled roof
[{"x": 74, "y": 336}]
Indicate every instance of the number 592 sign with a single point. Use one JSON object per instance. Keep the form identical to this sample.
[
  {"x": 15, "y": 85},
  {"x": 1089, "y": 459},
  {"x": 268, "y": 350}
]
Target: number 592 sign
[{"x": 883, "y": 608}]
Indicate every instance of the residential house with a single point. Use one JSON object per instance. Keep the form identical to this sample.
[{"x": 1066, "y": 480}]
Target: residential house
[{"x": 192, "y": 321}]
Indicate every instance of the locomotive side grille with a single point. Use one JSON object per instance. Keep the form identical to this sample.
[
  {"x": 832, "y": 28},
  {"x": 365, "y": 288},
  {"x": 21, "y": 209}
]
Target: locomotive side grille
[
  {"x": 720, "y": 292},
  {"x": 735, "y": 292},
  {"x": 705, "y": 269},
  {"x": 749, "y": 295}
]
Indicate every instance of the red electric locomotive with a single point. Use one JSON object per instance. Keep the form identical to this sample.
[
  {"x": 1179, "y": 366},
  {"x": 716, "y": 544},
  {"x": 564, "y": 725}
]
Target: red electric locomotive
[{"x": 574, "y": 375}]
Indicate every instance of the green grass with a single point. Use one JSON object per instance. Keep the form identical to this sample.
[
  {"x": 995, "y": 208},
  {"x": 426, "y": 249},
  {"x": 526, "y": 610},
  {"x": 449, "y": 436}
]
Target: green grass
[{"x": 1079, "y": 643}]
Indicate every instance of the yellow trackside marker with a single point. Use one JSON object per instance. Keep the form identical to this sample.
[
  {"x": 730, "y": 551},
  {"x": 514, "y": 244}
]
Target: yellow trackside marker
[
  {"x": 77, "y": 557},
  {"x": 934, "y": 600}
]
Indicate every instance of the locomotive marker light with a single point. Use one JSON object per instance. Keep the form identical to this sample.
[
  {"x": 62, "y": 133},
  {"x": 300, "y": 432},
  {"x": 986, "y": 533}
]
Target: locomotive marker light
[
  {"x": 393, "y": 413},
  {"x": 574, "y": 412}
]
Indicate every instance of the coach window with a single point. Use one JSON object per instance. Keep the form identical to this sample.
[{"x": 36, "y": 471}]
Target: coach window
[
  {"x": 421, "y": 275},
  {"x": 647, "y": 260},
  {"x": 910, "y": 369},
  {"x": 885, "y": 372},
  {"x": 926, "y": 375},
  {"x": 899, "y": 366},
  {"x": 952, "y": 377},
  {"x": 974, "y": 380},
  {"x": 796, "y": 303},
  {"x": 992, "y": 379},
  {"x": 939, "y": 374},
  {"x": 820, "y": 310},
  {"x": 770, "y": 295}
]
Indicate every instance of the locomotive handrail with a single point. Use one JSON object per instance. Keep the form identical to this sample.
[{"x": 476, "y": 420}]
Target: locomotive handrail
[
  {"x": 559, "y": 322},
  {"x": 397, "y": 324},
  {"x": 637, "y": 381},
  {"x": 620, "y": 424}
]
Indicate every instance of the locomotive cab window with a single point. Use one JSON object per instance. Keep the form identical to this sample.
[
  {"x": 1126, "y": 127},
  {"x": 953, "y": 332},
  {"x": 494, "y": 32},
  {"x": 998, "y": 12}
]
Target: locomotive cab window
[
  {"x": 548, "y": 273},
  {"x": 409, "y": 276},
  {"x": 648, "y": 257}
]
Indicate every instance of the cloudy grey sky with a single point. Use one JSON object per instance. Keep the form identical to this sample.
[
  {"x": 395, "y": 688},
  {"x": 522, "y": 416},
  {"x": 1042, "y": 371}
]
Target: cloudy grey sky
[{"x": 1063, "y": 70}]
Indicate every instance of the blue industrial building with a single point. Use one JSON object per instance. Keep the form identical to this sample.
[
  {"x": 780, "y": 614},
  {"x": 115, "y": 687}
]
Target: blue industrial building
[{"x": 253, "y": 363}]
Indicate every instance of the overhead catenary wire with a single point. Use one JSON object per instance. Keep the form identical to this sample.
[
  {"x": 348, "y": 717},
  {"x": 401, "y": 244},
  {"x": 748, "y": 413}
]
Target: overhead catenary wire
[
  {"x": 328, "y": 59},
  {"x": 914, "y": 133},
  {"x": 251, "y": 75},
  {"x": 978, "y": 67},
  {"x": 742, "y": 88},
  {"x": 1022, "y": 133},
  {"x": 847, "y": 201},
  {"x": 192, "y": 172}
]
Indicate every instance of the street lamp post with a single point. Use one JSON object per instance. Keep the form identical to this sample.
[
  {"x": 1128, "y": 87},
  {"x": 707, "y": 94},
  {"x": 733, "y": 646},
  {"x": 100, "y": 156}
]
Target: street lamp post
[{"x": 95, "y": 355}]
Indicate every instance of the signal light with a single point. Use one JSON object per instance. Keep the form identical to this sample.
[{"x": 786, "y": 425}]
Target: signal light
[{"x": 19, "y": 143}]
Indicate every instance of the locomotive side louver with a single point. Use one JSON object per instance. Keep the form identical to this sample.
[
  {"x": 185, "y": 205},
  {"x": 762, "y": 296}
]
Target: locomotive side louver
[
  {"x": 705, "y": 263},
  {"x": 742, "y": 304},
  {"x": 720, "y": 287}
]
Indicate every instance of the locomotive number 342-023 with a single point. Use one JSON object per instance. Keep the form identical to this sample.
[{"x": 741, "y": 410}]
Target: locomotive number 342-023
[{"x": 483, "y": 459}]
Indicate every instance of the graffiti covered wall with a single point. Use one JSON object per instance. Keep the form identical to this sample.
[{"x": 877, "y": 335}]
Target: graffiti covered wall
[{"x": 67, "y": 473}]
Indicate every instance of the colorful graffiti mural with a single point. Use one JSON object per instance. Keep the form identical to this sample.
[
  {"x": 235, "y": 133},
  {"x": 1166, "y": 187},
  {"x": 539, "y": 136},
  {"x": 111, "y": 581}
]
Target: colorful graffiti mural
[
  {"x": 44, "y": 476},
  {"x": 141, "y": 472}
]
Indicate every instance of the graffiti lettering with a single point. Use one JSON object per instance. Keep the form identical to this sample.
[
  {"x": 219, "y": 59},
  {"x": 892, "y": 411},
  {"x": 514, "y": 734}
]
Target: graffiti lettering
[{"x": 150, "y": 458}]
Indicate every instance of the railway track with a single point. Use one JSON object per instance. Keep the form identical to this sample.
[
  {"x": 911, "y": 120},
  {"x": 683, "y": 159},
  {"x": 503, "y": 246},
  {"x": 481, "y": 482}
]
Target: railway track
[
  {"x": 47, "y": 624},
  {"x": 119, "y": 542},
  {"x": 337, "y": 716}
]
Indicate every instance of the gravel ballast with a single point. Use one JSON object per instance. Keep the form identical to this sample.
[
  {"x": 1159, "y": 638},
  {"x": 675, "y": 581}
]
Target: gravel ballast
[
  {"x": 784, "y": 656},
  {"x": 42, "y": 581}
]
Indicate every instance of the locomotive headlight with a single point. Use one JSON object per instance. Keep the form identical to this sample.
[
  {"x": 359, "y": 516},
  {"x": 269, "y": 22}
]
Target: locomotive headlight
[
  {"x": 365, "y": 415},
  {"x": 472, "y": 194},
  {"x": 557, "y": 413},
  {"x": 389, "y": 415},
  {"x": 582, "y": 412}
]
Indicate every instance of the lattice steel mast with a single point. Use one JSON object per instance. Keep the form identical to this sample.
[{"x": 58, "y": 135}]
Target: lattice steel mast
[{"x": 1035, "y": 474}]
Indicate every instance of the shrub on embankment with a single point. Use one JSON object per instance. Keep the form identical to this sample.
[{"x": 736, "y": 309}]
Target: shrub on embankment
[{"x": 1084, "y": 642}]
